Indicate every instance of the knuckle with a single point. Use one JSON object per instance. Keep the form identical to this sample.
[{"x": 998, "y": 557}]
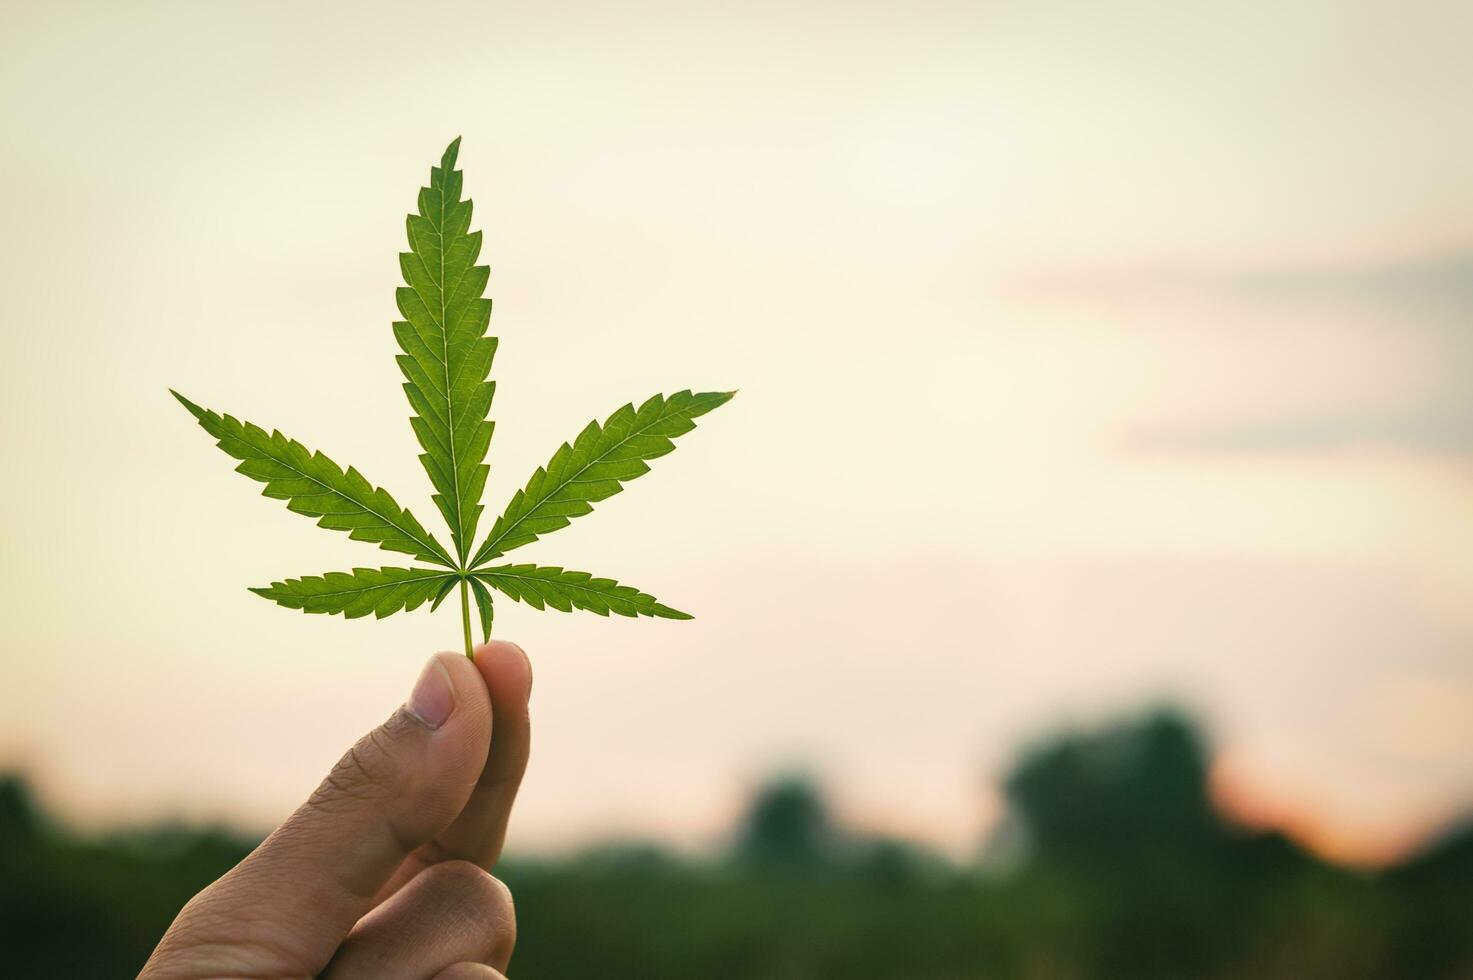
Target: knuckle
[
  {"x": 469, "y": 971},
  {"x": 478, "y": 894},
  {"x": 506, "y": 923},
  {"x": 367, "y": 771},
  {"x": 503, "y": 900},
  {"x": 470, "y": 881}
]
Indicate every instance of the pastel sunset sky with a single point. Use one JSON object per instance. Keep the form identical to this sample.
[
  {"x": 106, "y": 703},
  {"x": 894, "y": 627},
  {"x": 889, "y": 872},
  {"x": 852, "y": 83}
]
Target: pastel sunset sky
[{"x": 1091, "y": 355}]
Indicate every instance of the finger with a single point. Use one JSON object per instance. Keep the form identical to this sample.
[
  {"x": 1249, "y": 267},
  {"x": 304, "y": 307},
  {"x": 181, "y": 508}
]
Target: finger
[
  {"x": 300, "y": 892},
  {"x": 450, "y": 914},
  {"x": 470, "y": 971},
  {"x": 478, "y": 833}
]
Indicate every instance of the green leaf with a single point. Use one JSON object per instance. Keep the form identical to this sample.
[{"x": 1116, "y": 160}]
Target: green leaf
[
  {"x": 447, "y": 355},
  {"x": 442, "y": 592},
  {"x": 595, "y": 467},
  {"x": 483, "y": 606},
  {"x": 548, "y": 585},
  {"x": 381, "y": 591},
  {"x": 315, "y": 486}
]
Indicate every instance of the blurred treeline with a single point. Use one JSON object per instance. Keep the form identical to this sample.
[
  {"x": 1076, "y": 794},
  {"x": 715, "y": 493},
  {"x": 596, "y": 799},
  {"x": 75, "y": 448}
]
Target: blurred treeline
[{"x": 1118, "y": 867}]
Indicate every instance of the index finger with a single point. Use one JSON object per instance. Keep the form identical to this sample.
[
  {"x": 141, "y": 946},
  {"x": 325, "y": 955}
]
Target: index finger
[{"x": 478, "y": 833}]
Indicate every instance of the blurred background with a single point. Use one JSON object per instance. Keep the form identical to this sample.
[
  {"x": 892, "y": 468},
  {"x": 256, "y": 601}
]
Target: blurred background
[{"x": 1083, "y": 579}]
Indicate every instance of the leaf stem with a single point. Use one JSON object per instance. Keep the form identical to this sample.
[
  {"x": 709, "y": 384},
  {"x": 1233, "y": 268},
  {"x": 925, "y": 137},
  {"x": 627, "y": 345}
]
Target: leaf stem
[{"x": 465, "y": 620}]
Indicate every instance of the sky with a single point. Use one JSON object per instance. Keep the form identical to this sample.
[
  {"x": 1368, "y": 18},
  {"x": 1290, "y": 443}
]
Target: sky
[{"x": 1091, "y": 356}]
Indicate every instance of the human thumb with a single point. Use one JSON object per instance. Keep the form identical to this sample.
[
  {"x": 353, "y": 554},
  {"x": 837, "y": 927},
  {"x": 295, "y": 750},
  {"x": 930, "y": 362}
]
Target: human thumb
[{"x": 404, "y": 782}]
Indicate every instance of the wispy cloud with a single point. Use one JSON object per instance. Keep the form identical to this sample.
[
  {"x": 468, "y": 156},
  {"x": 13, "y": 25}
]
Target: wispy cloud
[
  {"x": 1438, "y": 282},
  {"x": 1435, "y": 431},
  {"x": 1427, "y": 301}
]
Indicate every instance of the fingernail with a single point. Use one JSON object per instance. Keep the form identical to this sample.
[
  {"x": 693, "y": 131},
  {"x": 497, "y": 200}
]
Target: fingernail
[{"x": 433, "y": 698}]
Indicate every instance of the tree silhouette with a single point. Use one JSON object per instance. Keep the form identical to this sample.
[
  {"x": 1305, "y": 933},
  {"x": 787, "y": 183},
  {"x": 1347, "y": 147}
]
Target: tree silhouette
[{"x": 788, "y": 826}]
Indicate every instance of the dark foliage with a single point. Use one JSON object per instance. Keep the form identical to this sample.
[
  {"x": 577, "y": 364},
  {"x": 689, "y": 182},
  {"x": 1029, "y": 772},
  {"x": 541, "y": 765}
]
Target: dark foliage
[{"x": 1129, "y": 873}]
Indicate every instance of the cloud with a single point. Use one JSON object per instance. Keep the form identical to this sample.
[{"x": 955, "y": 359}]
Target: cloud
[
  {"x": 1421, "y": 308},
  {"x": 1442, "y": 282},
  {"x": 1435, "y": 431}
]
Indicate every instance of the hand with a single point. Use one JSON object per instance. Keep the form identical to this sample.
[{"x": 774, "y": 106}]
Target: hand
[{"x": 383, "y": 872}]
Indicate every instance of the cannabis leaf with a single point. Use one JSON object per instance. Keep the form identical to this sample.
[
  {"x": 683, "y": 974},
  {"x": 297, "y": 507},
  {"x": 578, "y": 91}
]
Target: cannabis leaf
[
  {"x": 446, "y": 361},
  {"x": 314, "y": 485},
  {"x": 381, "y": 591},
  {"x": 594, "y": 467},
  {"x": 566, "y": 590},
  {"x": 447, "y": 354}
]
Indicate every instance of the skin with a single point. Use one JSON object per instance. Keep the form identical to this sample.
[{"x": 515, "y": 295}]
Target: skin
[{"x": 385, "y": 870}]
